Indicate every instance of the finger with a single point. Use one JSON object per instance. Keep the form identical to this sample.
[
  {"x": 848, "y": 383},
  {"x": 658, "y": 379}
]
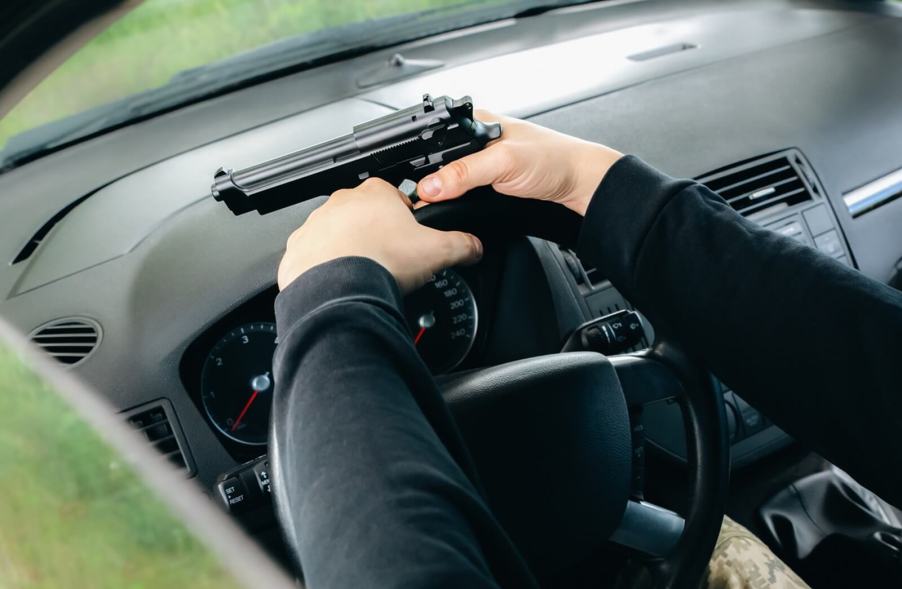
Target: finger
[
  {"x": 460, "y": 176},
  {"x": 487, "y": 116},
  {"x": 456, "y": 248},
  {"x": 377, "y": 186},
  {"x": 405, "y": 199},
  {"x": 373, "y": 184}
]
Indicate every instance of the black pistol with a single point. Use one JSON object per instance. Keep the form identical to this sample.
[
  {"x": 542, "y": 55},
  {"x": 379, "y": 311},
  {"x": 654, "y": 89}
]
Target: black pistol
[{"x": 405, "y": 145}]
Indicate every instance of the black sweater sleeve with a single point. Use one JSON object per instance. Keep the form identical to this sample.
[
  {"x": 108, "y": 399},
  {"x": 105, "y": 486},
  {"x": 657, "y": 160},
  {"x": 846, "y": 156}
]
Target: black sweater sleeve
[
  {"x": 366, "y": 457},
  {"x": 813, "y": 344}
]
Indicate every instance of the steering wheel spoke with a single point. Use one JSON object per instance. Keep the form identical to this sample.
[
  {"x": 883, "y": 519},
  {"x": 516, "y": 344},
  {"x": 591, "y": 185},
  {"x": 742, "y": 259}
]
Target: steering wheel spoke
[
  {"x": 649, "y": 529},
  {"x": 645, "y": 379},
  {"x": 552, "y": 442}
]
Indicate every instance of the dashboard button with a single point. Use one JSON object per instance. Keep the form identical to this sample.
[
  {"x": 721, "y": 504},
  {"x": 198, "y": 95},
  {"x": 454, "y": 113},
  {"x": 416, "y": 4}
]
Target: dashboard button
[
  {"x": 792, "y": 230},
  {"x": 818, "y": 220},
  {"x": 829, "y": 244}
]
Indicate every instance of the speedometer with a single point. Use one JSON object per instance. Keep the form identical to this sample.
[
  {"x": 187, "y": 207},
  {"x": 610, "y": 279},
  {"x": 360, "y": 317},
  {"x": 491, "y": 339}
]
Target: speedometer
[{"x": 443, "y": 318}]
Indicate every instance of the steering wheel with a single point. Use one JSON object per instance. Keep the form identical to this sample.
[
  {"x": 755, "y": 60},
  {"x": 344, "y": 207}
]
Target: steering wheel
[{"x": 551, "y": 439}]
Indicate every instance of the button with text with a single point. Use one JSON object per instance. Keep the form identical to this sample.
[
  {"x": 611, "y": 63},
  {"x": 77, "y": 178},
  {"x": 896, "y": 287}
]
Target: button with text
[{"x": 233, "y": 494}]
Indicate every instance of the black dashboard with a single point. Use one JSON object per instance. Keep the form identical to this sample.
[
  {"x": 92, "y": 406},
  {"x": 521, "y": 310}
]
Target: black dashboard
[{"x": 789, "y": 109}]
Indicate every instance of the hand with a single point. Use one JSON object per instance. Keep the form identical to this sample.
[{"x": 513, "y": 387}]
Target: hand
[
  {"x": 374, "y": 220},
  {"x": 527, "y": 161}
]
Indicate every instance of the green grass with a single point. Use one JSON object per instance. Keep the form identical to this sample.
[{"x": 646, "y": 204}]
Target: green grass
[
  {"x": 162, "y": 37},
  {"x": 72, "y": 514}
]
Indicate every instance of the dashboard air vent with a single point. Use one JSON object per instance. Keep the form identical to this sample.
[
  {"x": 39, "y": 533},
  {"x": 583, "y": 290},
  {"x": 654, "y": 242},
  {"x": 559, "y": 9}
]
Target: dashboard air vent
[
  {"x": 70, "y": 340},
  {"x": 156, "y": 422},
  {"x": 762, "y": 186}
]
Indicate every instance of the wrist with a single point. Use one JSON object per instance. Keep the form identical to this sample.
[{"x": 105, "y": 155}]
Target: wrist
[{"x": 590, "y": 167}]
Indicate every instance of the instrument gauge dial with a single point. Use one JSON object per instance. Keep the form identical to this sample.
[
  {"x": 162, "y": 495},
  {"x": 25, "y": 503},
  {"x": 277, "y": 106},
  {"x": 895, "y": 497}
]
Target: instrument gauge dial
[
  {"x": 443, "y": 319},
  {"x": 237, "y": 382}
]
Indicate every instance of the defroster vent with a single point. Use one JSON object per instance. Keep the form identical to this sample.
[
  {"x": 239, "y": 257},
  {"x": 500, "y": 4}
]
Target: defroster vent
[
  {"x": 762, "y": 186},
  {"x": 69, "y": 340}
]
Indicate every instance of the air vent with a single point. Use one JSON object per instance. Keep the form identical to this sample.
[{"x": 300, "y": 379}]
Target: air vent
[
  {"x": 70, "y": 340},
  {"x": 156, "y": 422},
  {"x": 762, "y": 186}
]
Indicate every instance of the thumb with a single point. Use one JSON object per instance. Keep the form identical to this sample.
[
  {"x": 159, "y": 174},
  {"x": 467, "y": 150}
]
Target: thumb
[
  {"x": 460, "y": 176},
  {"x": 456, "y": 248}
]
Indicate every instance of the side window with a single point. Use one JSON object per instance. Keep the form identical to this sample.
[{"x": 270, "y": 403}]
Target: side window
[{"x": 74, "y": 512}]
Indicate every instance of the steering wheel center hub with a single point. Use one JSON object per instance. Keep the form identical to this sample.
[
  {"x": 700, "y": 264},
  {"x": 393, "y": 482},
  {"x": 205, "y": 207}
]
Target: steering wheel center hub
[{"x": 550, "y": 439}]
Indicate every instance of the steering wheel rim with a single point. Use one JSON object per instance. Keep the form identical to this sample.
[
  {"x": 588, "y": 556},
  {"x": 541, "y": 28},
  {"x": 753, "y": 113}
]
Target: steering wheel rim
[{"x": 701, "y": 405}]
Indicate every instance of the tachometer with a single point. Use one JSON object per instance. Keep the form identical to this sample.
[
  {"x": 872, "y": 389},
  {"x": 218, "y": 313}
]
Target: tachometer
[
  {"x": 237, "y": 384},
  {"x": 443, "y": 318}
]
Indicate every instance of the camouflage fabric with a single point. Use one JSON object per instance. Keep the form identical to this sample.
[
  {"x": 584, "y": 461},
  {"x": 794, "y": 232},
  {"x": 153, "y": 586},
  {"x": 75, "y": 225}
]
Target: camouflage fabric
[{"x": 742, "y": 561}]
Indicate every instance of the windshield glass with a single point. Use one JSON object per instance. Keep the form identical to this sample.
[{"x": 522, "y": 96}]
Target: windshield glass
[{"x": 168, "y": 52}]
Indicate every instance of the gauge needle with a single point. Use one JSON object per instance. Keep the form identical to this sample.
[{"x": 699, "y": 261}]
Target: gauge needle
[
  {"x": 425, "y": 322},
  {"x": 243, "y": 411}
]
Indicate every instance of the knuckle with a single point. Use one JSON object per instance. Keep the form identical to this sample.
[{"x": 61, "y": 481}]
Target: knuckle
[
  {"x": 376, "y": 184},
  {"x": 471, "y": 244},
  {"x": 459, "y": 243},
  {"x": 295, "y": 235},
  {"x": 474, "y": 244},
  {"x": 457, "y": 171},
  {"x": 504, "y": 154}
]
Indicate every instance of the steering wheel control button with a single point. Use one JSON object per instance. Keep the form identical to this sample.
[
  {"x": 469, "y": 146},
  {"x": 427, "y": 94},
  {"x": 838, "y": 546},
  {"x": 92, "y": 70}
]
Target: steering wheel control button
[
  {"x": 609, "y": 335},
  {"x": 261, "y": 473},
  {"x": 247, "y": 487},
  {"x": 233, "y": 494}
]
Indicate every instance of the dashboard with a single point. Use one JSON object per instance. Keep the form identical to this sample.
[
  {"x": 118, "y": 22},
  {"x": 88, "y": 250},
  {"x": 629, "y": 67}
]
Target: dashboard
[{"x": 789, "y": 109}]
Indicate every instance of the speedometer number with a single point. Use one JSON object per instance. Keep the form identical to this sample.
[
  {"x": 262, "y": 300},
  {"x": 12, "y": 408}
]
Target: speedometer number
[{"x": 443, "y": 318}]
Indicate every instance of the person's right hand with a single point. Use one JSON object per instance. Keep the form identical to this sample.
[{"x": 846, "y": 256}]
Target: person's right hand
[{"x": 528, "y": 161}]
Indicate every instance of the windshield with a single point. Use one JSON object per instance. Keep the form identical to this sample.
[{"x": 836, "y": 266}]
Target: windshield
[{"x": 165, "y": 53}]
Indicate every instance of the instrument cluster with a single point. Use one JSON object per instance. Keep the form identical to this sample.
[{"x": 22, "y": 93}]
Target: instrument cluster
[{"x": 228, "y": 369}]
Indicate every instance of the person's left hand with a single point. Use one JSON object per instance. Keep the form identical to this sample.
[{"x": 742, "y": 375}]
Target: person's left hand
[{"x": 375, "y": 221}]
